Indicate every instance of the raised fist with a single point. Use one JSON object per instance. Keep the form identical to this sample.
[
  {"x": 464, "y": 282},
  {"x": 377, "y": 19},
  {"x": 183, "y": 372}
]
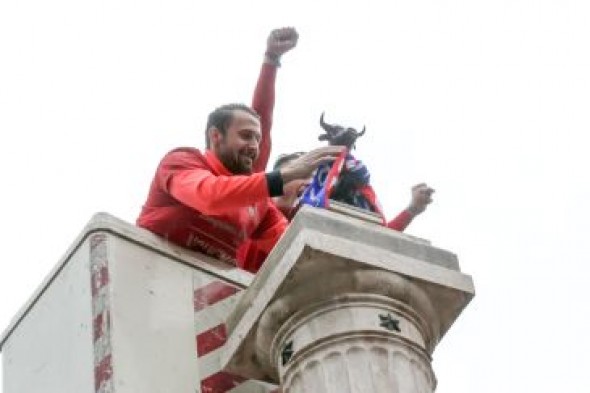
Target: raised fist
[
  {"x": 421, "y": 197},
  {"x": 281, "y": 41}
]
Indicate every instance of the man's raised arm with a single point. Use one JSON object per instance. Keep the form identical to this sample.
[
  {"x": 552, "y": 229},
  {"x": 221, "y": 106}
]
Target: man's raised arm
[
  {"x": 278, "y": 43},
  {"x": 421, "y": 198}
]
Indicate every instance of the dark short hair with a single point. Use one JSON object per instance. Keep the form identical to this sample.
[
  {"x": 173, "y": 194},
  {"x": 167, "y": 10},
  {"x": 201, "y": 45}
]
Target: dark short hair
[
  {"x": 221, "y": 118},
  {"x": 285, "y": 158}
]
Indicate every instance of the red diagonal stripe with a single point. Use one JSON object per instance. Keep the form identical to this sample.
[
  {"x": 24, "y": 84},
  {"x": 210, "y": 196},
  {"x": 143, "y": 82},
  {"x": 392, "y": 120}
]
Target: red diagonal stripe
[
  {"x": 220, "y": 382},
  {"x": 210, "y": 340},
  {"x": 212, "y": 293},
  {"x": 102, "y": 372},
  {"x": 98, "y": 324},
  {"x": 100, "y": 278}
]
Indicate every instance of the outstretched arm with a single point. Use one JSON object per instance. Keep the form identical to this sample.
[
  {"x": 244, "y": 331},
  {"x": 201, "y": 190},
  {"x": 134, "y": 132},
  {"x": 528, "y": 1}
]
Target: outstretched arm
[
  {"x": 421, "y": 197},
  {"x": 194, "y": 185},
  {"x": 279, "y": 42}
]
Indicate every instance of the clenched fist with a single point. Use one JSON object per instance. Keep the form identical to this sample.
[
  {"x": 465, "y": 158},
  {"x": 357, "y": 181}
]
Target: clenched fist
[
  {"x": 281, "y": 41},
  {"x": 421, "y": 197}
]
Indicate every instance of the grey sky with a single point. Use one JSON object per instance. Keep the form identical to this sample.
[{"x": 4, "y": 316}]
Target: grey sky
[{"x": 487, "y": 101}]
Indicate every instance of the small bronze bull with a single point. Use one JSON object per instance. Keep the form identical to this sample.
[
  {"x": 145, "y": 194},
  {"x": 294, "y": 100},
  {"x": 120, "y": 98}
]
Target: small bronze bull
[
  {"x": 346, "y": 188},
  {"x": 338, "y": 135}
]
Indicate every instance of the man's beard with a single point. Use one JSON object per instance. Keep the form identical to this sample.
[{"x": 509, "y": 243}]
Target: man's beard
[{"x": 234, "y": 162}]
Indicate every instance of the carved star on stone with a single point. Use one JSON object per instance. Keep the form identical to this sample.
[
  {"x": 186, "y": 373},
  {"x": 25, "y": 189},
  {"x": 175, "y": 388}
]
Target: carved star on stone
[
  {"x": 389, "y": 322},
  {"x": 287, "y": 352}
]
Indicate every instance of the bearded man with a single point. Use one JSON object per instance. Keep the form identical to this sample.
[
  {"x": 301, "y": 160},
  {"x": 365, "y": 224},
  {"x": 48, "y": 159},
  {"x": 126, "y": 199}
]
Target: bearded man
[{"x": 213, "y": 201}]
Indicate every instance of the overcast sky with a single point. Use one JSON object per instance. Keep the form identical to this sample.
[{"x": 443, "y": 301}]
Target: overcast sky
[{"x": 487, "y": 101}]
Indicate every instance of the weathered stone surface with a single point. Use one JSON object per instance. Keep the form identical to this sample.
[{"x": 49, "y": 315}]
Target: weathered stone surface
[
  {"x": 337, "y": 291},
  {"x": 125, "y": 311}
]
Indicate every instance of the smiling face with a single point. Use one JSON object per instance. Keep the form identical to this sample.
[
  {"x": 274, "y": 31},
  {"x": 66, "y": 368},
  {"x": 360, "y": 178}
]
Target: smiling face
[{"x": 238, "y": 148}]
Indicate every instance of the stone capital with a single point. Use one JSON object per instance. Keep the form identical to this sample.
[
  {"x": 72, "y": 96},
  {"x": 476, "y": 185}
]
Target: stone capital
[{"x": 335, "y": 283}]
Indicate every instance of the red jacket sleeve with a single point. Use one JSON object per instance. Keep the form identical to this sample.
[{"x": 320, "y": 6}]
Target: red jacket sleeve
[
  {"x": 210, "y": 194},
  {"x": 401, "y": 222},
  {"x": 263, "y": 103}
]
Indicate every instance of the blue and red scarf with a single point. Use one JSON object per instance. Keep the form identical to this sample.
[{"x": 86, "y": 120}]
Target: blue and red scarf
[{"x": 326, "y": 177}]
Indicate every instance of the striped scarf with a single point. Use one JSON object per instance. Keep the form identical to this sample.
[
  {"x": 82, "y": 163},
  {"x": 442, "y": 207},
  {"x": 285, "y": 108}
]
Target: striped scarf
[{"x": 345, "y": 174}]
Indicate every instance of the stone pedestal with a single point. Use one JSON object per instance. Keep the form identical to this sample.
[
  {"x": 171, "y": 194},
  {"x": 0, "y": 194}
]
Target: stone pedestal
[
  {"x": 125, "y": 311},
  {"x": 345, "y": 305}
]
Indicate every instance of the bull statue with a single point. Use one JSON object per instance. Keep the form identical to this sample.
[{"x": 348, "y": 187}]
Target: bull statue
[
  {"x": 346, "y": 179},
  {"x": 338, "y": 135}
]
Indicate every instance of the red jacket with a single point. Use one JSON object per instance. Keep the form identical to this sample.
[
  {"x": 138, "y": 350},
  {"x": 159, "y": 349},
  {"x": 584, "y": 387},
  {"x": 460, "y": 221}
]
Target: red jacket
[{"x": 194, "y": 201}]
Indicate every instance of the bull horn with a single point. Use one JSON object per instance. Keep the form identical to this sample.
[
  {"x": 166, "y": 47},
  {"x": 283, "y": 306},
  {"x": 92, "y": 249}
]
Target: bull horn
[
  {"x": 324, "y": 125},
  {"x": 363, "y": 131}
]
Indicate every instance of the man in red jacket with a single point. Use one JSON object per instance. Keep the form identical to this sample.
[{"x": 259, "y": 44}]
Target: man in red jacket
[{"x": 215, "y": 200}]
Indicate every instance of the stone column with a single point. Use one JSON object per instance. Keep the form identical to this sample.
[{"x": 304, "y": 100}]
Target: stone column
[
  {"x": 343, "y": 305},
  {"x": 364, "y": 337}
]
